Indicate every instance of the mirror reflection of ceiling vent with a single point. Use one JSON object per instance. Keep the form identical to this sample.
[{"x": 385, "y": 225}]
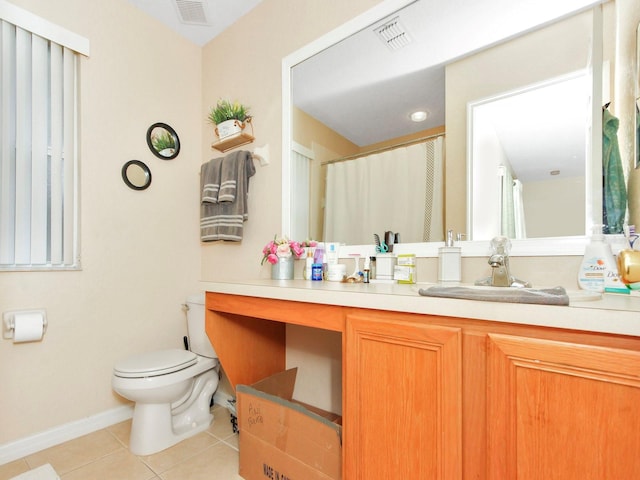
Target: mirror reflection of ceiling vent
[
  {"x": 393, "y": 34},
  {"x": 192, "y": 12}
]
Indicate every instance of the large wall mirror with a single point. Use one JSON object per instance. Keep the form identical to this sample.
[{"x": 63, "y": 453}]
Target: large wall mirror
[{"x": 457, "y": 60}]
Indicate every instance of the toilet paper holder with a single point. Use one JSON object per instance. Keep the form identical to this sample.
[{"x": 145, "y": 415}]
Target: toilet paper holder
[{"x": 8, "y": 321}]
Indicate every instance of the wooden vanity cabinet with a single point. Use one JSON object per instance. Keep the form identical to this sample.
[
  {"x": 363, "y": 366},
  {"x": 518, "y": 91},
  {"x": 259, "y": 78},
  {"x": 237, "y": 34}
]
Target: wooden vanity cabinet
[
  {"x": 560, "y": 410},
  {"x": 443, "y": 398},
  {"x": 524, "y": 402},
  {"x": 402, "y": 399}
]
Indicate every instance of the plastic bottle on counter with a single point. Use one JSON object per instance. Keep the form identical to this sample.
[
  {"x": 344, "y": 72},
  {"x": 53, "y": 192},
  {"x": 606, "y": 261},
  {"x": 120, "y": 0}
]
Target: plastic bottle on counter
[
  {"x": 367, "y": 270},
  {"x": 449, "y": 261},
  {"x": 598, "y": 262},
  {"x": 308, "y": 265}
]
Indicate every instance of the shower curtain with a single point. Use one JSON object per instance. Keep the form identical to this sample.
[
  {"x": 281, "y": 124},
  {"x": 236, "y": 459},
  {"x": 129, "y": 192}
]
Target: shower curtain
[{"x": 400, "y": 190}]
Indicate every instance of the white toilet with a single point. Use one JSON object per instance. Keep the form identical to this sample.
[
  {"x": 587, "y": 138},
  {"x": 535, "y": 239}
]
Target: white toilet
[{"x": 172, "y": 389}]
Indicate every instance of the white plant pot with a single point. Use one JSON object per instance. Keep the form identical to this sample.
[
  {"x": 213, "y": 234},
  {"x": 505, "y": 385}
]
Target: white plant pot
[{"x": 228, "y": 128}]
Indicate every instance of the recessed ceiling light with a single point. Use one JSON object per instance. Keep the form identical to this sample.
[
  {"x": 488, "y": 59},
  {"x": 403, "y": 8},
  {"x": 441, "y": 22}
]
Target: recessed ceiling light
[
  {"x": 419, "y": 116},
  {"x": 554, "y": 172}
]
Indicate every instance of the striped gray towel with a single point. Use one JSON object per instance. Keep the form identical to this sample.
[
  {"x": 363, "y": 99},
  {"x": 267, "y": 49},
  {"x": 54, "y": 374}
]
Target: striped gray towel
[
  {"x": 229, "y": 176},
  {"x": 210, "y": 180},
  {"x": 225, "y": 220}
]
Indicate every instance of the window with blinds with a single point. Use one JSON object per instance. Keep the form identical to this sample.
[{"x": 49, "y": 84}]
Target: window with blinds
[{"x": 38, "y": 144}]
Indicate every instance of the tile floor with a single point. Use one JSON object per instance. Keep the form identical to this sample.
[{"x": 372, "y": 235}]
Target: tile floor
[{"x": 104, "y": 455}]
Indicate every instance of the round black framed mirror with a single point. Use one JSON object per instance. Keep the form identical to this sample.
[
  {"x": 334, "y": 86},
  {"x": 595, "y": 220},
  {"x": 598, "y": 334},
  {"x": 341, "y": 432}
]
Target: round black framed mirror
[
  {"x": 163, "y": 141},
  {"x": 136, "y": 175}
]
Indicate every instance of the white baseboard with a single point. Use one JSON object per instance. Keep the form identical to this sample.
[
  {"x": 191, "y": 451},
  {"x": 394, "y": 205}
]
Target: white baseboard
[{"x": 63, "y": 433}]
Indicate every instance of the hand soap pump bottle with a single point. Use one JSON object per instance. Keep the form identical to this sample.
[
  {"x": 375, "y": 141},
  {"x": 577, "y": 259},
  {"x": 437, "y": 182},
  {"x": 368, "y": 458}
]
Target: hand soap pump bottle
[
  {"x": 449, "y": 261},
  {"x": 598, "y": 261}
]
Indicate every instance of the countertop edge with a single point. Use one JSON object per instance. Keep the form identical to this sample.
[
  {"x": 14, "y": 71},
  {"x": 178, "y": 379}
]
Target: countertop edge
[{"x": 614, "y": 314}]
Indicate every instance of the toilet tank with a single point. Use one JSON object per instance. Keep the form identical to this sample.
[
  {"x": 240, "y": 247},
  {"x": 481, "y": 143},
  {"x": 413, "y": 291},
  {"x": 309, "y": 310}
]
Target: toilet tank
[{"x": 198, "y": 341}]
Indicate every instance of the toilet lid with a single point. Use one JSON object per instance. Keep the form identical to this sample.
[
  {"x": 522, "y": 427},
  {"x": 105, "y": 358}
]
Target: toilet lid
[{"x": 151, "y": 364}]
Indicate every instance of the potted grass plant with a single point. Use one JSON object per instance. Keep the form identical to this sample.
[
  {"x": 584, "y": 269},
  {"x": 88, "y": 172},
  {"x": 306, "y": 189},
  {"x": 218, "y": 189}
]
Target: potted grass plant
[
  {"x": 163, "y": 143},
  {"x": 228, "y": 117}
]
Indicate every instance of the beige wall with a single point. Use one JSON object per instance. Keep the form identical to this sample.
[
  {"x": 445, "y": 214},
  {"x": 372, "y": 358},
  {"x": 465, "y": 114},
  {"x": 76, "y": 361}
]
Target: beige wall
[
  {"x": 140, "y": 250},
  {"x": 311, "y": 133},
  {"x": 562, "y": 196}
]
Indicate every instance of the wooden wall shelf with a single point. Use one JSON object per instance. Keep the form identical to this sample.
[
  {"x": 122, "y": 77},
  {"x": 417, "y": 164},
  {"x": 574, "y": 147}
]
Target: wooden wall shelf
[{"x": 233, "y": 141}]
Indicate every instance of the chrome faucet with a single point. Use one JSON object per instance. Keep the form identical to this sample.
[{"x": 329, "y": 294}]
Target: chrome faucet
[
  {"x": 499, "y": 262},
  {"x": 500, "y": 274}
]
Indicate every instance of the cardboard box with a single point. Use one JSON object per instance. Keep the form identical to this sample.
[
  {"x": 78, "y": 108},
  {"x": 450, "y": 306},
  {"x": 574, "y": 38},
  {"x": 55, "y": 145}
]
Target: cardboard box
[{"x": 282, "y": 439}]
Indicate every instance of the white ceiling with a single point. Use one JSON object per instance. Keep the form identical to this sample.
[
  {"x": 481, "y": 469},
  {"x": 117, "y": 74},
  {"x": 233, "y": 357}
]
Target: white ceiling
[{"x": 208, "y": 17}]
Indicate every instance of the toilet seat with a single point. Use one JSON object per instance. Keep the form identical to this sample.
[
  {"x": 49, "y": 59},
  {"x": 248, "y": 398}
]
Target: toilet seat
[{"x": 153, "y": 364}]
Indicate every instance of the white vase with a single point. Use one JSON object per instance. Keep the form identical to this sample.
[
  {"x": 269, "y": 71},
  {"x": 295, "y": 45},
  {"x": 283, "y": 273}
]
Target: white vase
[
  {"x": 228, "y": 128},
  {"x": 283, "y": 269}
]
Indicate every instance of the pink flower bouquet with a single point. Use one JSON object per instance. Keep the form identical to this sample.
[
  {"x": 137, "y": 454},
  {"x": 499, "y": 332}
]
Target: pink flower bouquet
[{"x": 280, "y": 248}]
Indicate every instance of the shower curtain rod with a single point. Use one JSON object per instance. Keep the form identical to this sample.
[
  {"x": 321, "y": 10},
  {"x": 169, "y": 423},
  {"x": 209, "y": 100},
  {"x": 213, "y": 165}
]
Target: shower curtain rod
[{"x": 383, "y": 149}]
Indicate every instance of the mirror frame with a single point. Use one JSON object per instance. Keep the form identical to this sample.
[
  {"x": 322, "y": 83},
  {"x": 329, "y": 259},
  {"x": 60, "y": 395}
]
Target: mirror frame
[
  {"x": 128, "y": 181},
  {"x": 550, "y": 246},
  {"x": 171, "y": 132}
]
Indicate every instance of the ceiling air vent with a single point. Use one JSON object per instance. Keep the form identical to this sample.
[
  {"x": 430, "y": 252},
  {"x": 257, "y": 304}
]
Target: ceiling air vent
[
  {"x": 192, "y": 12},
  {"x": 393, "y": 34}
]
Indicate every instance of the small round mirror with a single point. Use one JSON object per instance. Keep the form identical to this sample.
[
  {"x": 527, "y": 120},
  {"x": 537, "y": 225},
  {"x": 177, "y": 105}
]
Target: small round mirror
[
  {"x": 136, "y": 175},
  {"x": 163, "y": 141}
]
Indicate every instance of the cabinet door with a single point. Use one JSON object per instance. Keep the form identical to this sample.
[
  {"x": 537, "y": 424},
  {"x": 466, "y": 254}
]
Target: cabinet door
[
  {"x": 562, "y": 411},
  {"x": 402, "y": 415}
]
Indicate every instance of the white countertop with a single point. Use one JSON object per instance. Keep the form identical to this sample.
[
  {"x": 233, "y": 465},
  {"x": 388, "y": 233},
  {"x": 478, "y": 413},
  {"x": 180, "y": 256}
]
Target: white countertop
[{"x": 612, "y": 313}]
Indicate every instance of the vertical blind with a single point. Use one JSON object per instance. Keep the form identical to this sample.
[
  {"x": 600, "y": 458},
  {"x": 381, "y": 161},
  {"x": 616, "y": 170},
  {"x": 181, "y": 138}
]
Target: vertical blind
[{"x": 38, "y": 151}]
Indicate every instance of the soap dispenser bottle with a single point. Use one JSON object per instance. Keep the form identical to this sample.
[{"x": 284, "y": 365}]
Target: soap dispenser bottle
[
  {"x": 598, "y": 263},
  {"x": 449, "y": 261}
]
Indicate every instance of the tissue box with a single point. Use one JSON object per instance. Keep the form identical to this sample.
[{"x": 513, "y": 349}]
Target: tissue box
[{"x": 282, "y": 438}]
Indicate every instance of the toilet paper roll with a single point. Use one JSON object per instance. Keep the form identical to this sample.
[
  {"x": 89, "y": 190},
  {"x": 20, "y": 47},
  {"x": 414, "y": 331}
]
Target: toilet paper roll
[{"x": 28, "y": 327}]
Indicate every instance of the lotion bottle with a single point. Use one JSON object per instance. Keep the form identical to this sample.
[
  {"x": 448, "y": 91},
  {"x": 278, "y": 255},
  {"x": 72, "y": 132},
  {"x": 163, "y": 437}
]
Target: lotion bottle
[
  {"x": 449, "y": 261},
  {"x": 308, "y": 265},
  {"x": 597, "y": 264}
]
